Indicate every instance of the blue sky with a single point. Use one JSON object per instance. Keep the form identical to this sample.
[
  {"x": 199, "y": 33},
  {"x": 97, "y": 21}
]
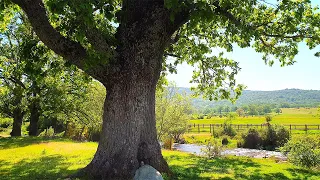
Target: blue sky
[{"x": 304, "y": 74}]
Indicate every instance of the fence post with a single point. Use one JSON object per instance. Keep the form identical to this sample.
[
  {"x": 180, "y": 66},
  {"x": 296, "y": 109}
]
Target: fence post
[
  {"x": 199, "y": 128},
  {"x": 306, "y": 128},
  {"x": 290, "y": 128},
  {"x": 202, "y": 125},
  {"x": 213, "y": 130},
  {"x": 238, "y": 127},
  {"x": 210, "y": 129},
  {"x": 318, "y": 126}
]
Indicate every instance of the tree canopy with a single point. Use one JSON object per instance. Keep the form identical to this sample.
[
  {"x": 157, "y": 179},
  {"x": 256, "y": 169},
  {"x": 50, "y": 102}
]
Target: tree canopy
[
  {"x": 89, "y": 30},
  {"x": 125, "y": 44}
]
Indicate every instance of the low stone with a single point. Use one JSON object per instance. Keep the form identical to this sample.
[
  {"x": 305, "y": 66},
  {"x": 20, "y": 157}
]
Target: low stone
[{"x": 147, "y": 172}]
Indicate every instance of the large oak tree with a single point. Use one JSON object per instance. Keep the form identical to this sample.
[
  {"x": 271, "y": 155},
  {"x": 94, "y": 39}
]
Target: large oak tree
[{"x": 124, "y": 45}]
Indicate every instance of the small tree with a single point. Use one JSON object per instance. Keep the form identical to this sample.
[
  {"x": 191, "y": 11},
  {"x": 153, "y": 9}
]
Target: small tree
[
  {"x": 268, "y": 118},
  {"x": 240, "y": 112},
  {"x": 278, "y": 110},
  {"x": 171, "y": 116},
  {"x": 303, "y": 151},
  {"x": 212, "y": 149}
]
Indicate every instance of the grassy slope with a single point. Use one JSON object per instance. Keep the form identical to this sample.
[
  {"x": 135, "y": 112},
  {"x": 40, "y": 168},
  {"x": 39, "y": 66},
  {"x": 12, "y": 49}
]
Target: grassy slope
[
  {"x": 288, "y": 116},
  {"x": 34, "y": 158}
]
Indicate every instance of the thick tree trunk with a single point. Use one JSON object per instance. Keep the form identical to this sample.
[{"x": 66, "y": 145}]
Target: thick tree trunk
[
  {"x": 34, "y": 109},
  {"x": 129, "y": 133},
  {"x": 18, "y": 113},
  {"x": 130, "y": 76},
  {"x": 34, "y": 118},
  {"x": 17, "y": 122}
]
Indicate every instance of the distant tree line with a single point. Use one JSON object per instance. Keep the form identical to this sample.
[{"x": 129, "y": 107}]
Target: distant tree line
[
  {"x": 287, "y": 98},
  {"x": 245, "y": 110}
]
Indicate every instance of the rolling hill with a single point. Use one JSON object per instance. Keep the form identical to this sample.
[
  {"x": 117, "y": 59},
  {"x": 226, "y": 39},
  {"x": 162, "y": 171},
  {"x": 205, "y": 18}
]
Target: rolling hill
[{"x": 282, "y": 98}]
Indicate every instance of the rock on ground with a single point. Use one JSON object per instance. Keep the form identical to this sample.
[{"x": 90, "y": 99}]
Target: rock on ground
[{"x": 147, "y": 172}]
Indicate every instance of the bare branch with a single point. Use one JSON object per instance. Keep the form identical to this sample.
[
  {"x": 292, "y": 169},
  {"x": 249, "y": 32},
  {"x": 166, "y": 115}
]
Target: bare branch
[{"x": 172, "y": 55}]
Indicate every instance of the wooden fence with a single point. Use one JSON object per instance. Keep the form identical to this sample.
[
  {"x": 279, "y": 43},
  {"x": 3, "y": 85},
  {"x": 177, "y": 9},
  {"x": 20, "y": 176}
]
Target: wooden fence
[{"x": 211, "y": 128}]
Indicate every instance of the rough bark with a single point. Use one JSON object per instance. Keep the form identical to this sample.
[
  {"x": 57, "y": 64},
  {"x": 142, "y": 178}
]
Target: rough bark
[
  {"x": 34, "y": 118},
  {"x": 127, "y": 116},
  {"x": 17, "y": 122},
  {"x": 34, "y": 109},
  {"x": 18, "y": 112},
  {"x": 129, "y": 128}
]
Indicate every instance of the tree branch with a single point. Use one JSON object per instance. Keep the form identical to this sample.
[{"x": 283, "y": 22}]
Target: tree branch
[
  {"x": 172, "y": 55},
  {"x": 17, "y": 81},
  {"x": 288, "y": 36},
  {"x": 70, "y": 50},
  {"x": 237, "y": 22},
  {"x": 224, "y": 12}
]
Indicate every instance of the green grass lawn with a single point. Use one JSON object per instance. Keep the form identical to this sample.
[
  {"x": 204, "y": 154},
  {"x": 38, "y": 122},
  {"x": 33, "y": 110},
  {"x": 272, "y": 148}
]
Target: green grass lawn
[
  {"x": 288, "y": 116},
  {"x": 296, "y": 117},
  {"x": 36, "y": 158}
]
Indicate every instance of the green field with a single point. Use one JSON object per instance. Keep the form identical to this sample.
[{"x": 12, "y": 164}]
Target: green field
[
  {"x": 288, "y": 116},
  {"x": 36, "y": 158}
]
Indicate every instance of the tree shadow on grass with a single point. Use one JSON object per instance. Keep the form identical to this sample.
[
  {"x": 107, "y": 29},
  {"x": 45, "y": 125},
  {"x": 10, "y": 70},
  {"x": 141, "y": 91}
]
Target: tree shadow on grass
[
  {"x": 300, "y": 173},
  {"x": 218, "y": 166},
  {"x": 197, "y": 168},
  {"x": 258, "y": 175},
  {"x": 46, "y": 167},
  {"x": 14, "y": 142}
]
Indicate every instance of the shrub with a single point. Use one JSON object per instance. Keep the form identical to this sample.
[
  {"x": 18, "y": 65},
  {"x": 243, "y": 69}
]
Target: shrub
[
  {"x": 268, "y": 118},
  {"x": 94, "y": 133},
  {"x": 269, "y": 138},
  {"x": 5, "y": 122},
  {"x": 228, "y": 130},
  {"x": 225, "y": 141},
  {"x": 303, "y": 151},
  {"x": 274, "y": 136},
  {"x": 251, "y": 139},
  {"x": 239, "y": 140},
  {"x": 49, "y": 132},
  {"x": 239, "y": 144},
  {"x": 283, "y": 135},
  {"x": 212, "y": 149},
  {"x": 77, "y": 132}
]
